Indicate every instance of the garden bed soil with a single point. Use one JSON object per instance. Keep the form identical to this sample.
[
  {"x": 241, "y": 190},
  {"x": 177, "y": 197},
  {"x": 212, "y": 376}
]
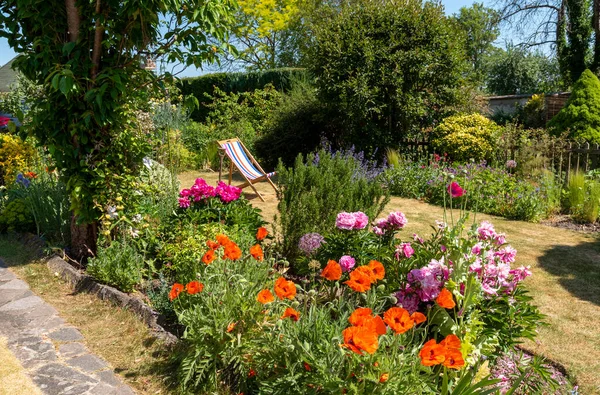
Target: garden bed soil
[{"x": 566, "y": 222}]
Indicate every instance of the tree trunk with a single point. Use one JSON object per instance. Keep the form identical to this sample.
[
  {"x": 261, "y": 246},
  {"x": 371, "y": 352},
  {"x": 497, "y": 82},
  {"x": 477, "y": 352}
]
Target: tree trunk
[
  {"x": 83, "y": 240},
  {"x": 73, "y": 20},
  {"x": 595, "y": 67}
]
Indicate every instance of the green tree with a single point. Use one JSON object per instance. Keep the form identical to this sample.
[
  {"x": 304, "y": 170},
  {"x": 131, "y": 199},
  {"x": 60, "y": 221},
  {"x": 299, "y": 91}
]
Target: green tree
[
  {"x": 480, "y": 25},
  {"x": 390, "y": 70},
  {"x": 580, "y": 117},
  {"x": 87, "y": 57},
  {"x": 519, "y": 71}
]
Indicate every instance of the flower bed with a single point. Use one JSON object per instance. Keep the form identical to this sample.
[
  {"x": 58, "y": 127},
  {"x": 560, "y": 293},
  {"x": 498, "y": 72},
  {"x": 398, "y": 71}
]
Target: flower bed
[{"x": 375, "y": 314}]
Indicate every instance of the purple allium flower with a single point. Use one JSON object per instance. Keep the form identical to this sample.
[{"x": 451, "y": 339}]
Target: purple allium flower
[
  {"x": 310, "y": 242},
  {"x": 511, "y": 164},
  {"x": 347, "y": 263},
  {"x": 345, "y": 221}
]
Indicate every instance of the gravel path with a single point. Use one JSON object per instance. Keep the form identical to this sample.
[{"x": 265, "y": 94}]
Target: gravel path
[{"x": 51, "y": 351}]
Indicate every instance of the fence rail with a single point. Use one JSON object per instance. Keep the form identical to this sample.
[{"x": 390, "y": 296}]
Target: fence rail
[{"x": 563, "y": 158}]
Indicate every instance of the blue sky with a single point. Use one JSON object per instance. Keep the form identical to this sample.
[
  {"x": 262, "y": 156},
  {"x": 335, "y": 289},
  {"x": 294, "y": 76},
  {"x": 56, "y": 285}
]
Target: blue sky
[{"x": 452, "y": 6}]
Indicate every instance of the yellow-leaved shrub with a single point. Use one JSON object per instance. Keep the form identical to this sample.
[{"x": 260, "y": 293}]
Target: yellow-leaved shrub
[
  {"x": 465, "y": 137},
  {"x": 16, "y": 156}
]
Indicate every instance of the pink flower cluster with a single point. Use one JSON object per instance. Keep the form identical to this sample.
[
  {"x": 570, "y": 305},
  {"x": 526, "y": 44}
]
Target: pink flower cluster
[
  {"x": 486, "y": 231},
  {"x": 351, "y": 221},
  {"x": 347, "y": 263},
  {"x": 404, "y": 250},
  {"x": 202, "y": 191},
  {"x": 424, "y": 285},
  {"x": 395, "y": 221},
  {"x": 492, "y": 265}
]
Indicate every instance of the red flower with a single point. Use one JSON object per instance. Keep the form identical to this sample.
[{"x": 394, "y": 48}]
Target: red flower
[
  {"x": 257, "y": 252},
  {"x": 455, "y": 190},
  {"x": 194, "y": 287},
  {"x": 261, "y": 233},
  {"x": 176, "y": 289},
  {"x": 291, "y": 313}
]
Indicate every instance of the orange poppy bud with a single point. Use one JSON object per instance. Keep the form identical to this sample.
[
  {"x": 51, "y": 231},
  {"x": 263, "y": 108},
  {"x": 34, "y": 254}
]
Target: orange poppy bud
[
  {"x": 384, "y": 377},
  {"x": 231, "y": 327}
]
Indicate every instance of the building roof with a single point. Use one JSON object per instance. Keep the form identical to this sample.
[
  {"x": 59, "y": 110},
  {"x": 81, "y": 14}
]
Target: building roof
[{"x": 7, "y": 76}]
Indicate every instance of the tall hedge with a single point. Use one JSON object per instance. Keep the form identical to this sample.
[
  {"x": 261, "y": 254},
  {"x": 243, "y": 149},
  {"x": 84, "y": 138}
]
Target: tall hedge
[
  {"x": 281, "y": 79},
  {"x": 581, "y": 115}
]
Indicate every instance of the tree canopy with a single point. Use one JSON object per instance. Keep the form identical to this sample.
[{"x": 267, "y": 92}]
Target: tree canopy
[{"x": 88, "y": 58}]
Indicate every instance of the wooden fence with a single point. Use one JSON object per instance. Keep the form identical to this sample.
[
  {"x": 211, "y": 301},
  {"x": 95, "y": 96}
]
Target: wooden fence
[{"x": 562, "y": 158}]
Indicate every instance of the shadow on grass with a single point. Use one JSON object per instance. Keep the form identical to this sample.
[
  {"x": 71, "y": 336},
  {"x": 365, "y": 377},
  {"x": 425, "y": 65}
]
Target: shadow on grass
[
  {"x": 577, "y": 268},
  {"x": 14, "y": 250}
]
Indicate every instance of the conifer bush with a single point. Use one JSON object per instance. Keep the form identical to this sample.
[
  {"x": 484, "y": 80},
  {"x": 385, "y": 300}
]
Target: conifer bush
[{"x": 580, "y": 118}]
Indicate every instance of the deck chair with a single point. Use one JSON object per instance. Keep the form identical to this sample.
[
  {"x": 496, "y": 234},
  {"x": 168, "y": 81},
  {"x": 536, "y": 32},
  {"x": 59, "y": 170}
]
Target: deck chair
[{"x": 245, "y": 163}]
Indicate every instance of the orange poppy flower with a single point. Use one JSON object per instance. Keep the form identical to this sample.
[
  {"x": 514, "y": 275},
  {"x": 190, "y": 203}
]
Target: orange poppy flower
[
  {"x": 285, "y": 289},
  {"x": 222, "y": 239},
  {"x": 333, "y": 271},
  {"x": 376, "y": 324},
  {"x": 265, "y": 296},
  {"x": 398, "y": 319},
  {"x": 194, "y": 287},
  {"x": 232, "y": 251},
  {"x": 418, "y": 317},
  {"x": 261, "y": 233},
  {"x": 384, "y": 377},
  {"x": 257, "y": 252},
  {"x": 231, "y": 327},
  {"x": 445, "y": 300},
  {"x": 293, "y": 314},
  {"x": 454, "y": 359},
  {"x": 359, "y": 339},
  {"x": 451, "y": 342},
  {"x": 377, "y": 269},
  {"x": 432, "y": 354},
  {"x": 176, "y": 289},
  {"x": 359, "y": 281},
  {"x": 358, "y": 316},
  {"x": 208, "y": 257},
  {"x": 367, "y": 271},
  {"x": 213, "y": 245}
]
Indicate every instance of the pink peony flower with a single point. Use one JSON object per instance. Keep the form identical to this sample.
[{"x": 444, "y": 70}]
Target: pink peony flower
[
  {"x": 360, "y": 220},
  {"x": 405, "y": 250},
  {"x": 185, "y": 193},
  {"x": 455, "y": 190},
  {"x": 486, "y": 231},
  {"x": 378, "y": 231},
  {"x": 227, "y": 193},
  {"x": 184, "y": 202},
  {"x": 476, "y": 250},
  {"x": 345, "y": 221},
  {"x": 347, "y": 263},
  {"x": 397, "y": 220}
]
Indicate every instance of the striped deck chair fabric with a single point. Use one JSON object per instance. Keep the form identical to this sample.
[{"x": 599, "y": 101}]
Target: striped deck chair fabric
[
  {"x": 248, "y": 167},
  {"x": 237, "y": 154}
]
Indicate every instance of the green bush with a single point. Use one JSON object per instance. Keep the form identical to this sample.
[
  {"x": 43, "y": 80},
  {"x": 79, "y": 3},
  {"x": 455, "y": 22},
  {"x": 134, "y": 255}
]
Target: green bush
[
  {"x": 119, "y": 265},
  {"x": 580, "y": 117},
  {"x": 392, "y": 70},
  {"x": 316, "y": 189},
  {"x": 16, "y": 216},
  {"x": 591, "y": 207},
  {"x": 49, "y": 204},
  {"x": 204, "y": 86},
  {"x": 465, "y": 137},
  {"x": 296, "y": 126}
]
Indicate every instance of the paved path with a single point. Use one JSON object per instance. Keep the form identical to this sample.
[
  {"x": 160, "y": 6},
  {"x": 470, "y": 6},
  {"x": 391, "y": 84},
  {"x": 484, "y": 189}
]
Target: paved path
[{"x": 51, "y": 351}]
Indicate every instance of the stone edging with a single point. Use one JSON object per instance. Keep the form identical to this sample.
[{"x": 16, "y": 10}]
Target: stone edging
[{"x": 83, "y": 283}]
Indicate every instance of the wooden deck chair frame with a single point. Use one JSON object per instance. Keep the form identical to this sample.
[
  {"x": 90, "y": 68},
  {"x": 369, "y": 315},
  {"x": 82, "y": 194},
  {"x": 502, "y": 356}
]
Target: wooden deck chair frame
[{"x": 248, "y": 182}]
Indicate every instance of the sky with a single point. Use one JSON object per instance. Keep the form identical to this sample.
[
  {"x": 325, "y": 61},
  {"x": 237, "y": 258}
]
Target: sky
[{"x": 452, "y": 6}]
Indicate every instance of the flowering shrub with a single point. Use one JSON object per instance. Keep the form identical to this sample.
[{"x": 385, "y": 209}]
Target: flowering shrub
[
  {"x": 203, "y": 203},
  {"x": 378, "y": 315},
  {"x": 16, "y": 156}
]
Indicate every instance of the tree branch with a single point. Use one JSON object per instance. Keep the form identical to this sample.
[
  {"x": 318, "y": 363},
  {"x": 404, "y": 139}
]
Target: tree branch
[
  {"x": 73, "y": 20},
  {"x": 97, "y": 42}
]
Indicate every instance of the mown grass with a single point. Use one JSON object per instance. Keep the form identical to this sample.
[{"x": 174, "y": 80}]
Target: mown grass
[
  {"x": 115, "y": 334},
  {"x": 565, "y": 282},
  {"x": 13, "y": 379}
]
